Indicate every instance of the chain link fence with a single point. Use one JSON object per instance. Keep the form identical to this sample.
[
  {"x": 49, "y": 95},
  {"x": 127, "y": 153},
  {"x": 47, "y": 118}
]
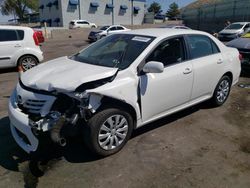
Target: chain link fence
[{"x": 211, "y": 17}]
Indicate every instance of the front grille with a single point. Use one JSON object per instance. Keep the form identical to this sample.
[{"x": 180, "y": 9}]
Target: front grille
[
  {"x": 33, "y": 106},
  {"x": 226, "y": 34}
]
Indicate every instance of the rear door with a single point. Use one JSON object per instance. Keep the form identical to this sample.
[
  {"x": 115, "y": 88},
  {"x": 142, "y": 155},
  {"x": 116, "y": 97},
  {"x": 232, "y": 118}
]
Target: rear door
[
  {"x": 112, "y": 30},
  {"x": 207, "y": 63},
  {"x": 10, "y": 44},
  {"x": 166, "y": 91}
]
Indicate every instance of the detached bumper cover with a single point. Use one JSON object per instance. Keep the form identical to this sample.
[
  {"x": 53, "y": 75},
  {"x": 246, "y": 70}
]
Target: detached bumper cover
[{"x": 20, "y": 122}]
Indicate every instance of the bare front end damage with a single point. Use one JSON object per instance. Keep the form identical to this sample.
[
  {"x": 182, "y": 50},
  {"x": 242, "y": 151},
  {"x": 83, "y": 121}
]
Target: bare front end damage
[
  {"x": 68, "y": 112},
  {"x": 61, "y": 114}
]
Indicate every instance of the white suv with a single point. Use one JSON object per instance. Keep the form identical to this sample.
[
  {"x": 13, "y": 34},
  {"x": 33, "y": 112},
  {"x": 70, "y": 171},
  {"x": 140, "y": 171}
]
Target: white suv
[
  {"x": 19, "y": 46},
  {"x": 81, "y": 24},
  {"x": 118, "y": 84}
]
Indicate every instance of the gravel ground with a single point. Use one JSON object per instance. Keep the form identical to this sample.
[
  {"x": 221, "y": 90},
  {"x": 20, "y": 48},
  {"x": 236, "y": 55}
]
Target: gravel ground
[{"x": 198, "y": 147}]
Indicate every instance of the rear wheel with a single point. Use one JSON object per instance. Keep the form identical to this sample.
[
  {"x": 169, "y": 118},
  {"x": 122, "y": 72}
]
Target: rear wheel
[
  {"x": 108, "y": 131},
  {"x": 27, "y": 62},
  {"x": 221, "y": 91}
]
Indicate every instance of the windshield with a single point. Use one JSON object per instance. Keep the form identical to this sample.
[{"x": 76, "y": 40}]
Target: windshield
[
  {"x": 104, "y": 28},
  {"x": 235, "y": 26},
  {"x": 118, "y": 50}
]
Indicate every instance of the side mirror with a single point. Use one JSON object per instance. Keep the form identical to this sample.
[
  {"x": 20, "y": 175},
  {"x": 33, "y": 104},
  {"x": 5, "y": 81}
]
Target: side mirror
[{"x": 153, "y": 67}]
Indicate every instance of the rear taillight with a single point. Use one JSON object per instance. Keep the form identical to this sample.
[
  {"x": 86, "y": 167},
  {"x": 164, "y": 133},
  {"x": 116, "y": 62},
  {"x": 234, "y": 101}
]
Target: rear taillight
[
  {"x": 35, "y": 38},
  {"x": 240, "y": 57}
]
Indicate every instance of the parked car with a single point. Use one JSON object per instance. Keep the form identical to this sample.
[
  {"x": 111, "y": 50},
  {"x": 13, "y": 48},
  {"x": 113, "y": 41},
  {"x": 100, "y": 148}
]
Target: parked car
[
  {"x": 243, "y": 45},
  {"x": 234, "y": 30},
  {"x": 175, "y": 27},
  {"x": 160, "y": 17},
  {"x": 81, "y": 24},
  {"x": 118, "y": 84},
  {"x": 106, "y": 30},
  {"x": 19, "y": 46}
]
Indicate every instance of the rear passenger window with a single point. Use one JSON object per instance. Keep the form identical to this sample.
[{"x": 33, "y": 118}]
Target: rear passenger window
[
  {"x": 201, "y": 46},
  {"x": 20, "y": 34},
  {"x": 112, "y": 29},
  {"x": 8, "y": 35},
  {"x": 120, "y": 28}
]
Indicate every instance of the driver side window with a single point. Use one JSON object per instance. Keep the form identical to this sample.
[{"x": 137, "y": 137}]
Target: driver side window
[{"x": 169, "y": 52}]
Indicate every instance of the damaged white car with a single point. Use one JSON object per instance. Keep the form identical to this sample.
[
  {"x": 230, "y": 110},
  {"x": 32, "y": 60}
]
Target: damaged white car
[{"x": 118, "y": 84}]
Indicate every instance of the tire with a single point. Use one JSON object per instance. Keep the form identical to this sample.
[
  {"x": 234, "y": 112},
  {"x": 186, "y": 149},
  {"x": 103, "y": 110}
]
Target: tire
[
  {"x": 27, "y": 62},
  {"x": 221, "y": 91},
  {"x": 101, "y": 139}
]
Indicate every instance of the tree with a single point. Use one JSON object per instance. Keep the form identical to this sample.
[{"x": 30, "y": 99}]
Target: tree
[
  {"x": 173, "y": 11},
  {"x": 18, "y": 7},
  {"x": 154, "y": 7}
]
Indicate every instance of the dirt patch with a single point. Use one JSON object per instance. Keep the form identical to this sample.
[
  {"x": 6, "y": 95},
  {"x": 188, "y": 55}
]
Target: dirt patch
[{"x": 245, "y": 145}]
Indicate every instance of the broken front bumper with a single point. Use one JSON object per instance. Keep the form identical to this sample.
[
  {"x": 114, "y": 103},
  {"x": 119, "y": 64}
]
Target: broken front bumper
[{"x": 20, "y": 129}]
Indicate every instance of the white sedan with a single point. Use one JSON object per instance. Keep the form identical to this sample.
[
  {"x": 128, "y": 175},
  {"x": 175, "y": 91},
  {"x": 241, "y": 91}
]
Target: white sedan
[
  {"x": 118, "y": 84},
  {"x": 106, "y": 30}
]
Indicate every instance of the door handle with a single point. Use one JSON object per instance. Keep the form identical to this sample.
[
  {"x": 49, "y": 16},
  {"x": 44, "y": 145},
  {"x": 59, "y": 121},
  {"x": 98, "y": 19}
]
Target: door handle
[
  {"x": 17, "y": 46},
  {"x": 219, "y": 61},
  {"x": 187, "y": 71}
]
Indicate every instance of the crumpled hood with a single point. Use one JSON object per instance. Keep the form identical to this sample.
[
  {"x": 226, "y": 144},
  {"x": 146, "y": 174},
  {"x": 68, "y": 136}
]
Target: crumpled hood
[
  {"x": 230, "y": 31},
  {"x": 63, "y": 74},
  {"x": 240, "y": 43}
]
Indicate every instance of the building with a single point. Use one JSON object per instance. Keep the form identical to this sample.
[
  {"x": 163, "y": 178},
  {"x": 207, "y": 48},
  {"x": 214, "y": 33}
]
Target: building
[
  {"x": 210, "y": 15},
  {"x": 58, "y": 13}
]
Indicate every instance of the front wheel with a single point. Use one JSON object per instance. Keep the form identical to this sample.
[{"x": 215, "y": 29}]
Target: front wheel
[
  {"x": 27, "y": 62},
  {"x": 221, "y": 91},
  {"x": 108, "y": 131}
]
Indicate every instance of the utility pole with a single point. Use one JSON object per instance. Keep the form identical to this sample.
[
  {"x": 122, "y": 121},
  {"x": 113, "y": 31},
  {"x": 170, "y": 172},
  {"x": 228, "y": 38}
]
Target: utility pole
[
  {"x": 113, "y": 16},
  {"x": 79, "y": 7},
  {"x": 132, "y": 12}
]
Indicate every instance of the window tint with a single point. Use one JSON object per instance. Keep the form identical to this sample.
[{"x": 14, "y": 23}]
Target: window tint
[
  {"x": 112, "y": 29},
  {"x": 201, "y": 46},
  {"x": 83, "y": 22},
  {"x": 20, "y": 34},
  {"x": 7, "y": 35},
  {"x": 169, "y": 52},
  {"x": 120, "y": 28}
]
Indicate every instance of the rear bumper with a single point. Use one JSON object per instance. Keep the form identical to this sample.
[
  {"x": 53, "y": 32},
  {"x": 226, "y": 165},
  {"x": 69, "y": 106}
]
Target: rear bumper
[{"x": 20, "y": 122}]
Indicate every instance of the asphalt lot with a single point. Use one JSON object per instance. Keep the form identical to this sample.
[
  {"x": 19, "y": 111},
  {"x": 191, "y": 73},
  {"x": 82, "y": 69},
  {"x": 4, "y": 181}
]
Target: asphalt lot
[{"x": 198, "y": 147}]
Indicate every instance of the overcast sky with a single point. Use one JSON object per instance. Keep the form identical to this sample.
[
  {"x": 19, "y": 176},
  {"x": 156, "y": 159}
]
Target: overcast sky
[{"x": 164, "y": 4}]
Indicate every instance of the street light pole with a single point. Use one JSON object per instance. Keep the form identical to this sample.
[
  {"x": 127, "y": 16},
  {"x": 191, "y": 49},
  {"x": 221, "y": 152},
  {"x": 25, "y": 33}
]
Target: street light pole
[
  {"x": 113, "y": 18},
  {"x": 79, "y": 7},
  {"x": 132, "y": 12}
]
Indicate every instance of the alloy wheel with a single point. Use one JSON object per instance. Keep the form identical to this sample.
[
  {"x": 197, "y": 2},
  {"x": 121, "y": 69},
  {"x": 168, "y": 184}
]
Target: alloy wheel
[{"x": 113, "y": 132}]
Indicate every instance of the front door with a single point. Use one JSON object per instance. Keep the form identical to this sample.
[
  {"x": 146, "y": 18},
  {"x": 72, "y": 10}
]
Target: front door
[{"x": 162, "y": 92}]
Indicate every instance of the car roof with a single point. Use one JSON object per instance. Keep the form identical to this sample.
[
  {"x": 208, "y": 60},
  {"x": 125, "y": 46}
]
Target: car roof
[
  {"x": 14, "y": 27},
  {"x": 164, "y": 32},
  {"x": 77, "y": 20},
  {"x": 240, "y": 22}
]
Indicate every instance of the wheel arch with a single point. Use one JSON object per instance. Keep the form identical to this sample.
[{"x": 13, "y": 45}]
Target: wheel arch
[
  {"x": 18, "y": 59},
  {"x": 112, "y": 102},
  {"x": 230, "y": 75}
]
